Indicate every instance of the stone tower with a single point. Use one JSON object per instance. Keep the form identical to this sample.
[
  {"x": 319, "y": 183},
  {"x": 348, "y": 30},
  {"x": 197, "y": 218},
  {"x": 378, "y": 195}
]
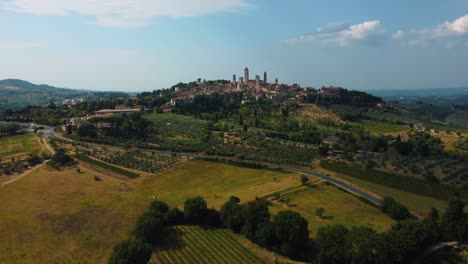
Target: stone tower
[
  {"x": 257, "y": 81},
  {"x": 246, "y": 74}
]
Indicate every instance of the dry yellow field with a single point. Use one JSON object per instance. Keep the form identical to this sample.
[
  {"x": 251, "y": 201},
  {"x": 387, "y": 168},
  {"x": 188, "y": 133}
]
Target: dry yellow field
[{"x": 64, "y": 216}]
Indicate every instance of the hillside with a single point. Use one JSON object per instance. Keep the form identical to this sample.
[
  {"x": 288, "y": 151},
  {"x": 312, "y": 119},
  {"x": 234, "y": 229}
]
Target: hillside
[{"x": 18, "y": 93}]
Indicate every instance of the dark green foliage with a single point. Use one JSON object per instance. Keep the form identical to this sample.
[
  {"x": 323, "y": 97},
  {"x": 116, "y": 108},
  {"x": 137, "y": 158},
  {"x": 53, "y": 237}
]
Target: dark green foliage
[
  {"x": 60, "y": 159},
  {"x": 149, "y": 227},
  {"x": 9, "y": 129},
  {"x": 195, "y": 210},
  {"x": 291, "y": 231},
  {"x": 304, "y": 180},
  {"x": 254, "y": 213},
  {"x": 333, "y": 241},
  {"x": 175, "y": 216},
  {"x": 87, "y": 130},
  {"x": 33, "y": 160},
  {"x": 131, "y": 252},
  {"x": 159, "y": 207},
  {"x": 265, "y": 235},
  {"x": 364, "y": 246},
  {"x": 231, "y": 214},
  {"x": 394, "y": 209},
  {"x": 455, "y": 221},
  {"x": 212, "y": 218}
]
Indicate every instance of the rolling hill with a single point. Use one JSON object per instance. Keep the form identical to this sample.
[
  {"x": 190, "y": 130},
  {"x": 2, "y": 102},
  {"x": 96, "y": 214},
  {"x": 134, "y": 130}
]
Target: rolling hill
[{"x": 18, "y": 93}]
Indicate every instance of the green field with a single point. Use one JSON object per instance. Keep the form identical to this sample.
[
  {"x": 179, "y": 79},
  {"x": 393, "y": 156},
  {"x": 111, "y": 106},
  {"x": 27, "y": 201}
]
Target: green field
[
  {"x": 177, "y": 127},
  {"x": 393, "y": 180},
  {"x": 416, "y": 203},
  {"x": 458, "y": 116},
  {"x": 19, "y": 145},
  {"x": 340, "y": 208},
  {"x": 381, "y": 127},
  {"x": 193, "y": 244}
]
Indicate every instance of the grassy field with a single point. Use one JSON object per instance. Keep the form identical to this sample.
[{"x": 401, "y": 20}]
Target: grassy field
[
  {"x": 19, "y": 145},
  {"x": 177, "y": 127},
  {"x": 193, "y": 244},
  {"x": 381, "y": 127},
  {"x": 340, "y": 208},
  {"x": 53, "y": 216},
  {"x": 417, "y": 203},
  {"x": 393, "y": 180}
]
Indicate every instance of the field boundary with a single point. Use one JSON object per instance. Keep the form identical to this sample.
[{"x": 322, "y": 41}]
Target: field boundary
[{"x": 106, "y": 166}]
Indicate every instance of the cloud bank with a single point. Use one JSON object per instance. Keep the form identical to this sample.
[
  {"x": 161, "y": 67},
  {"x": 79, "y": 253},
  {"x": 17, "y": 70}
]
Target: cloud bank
[
  {"x": 342, "y": 34},
  {"x": 124, "y": 13},
  {"x": 452, "y": 32}
]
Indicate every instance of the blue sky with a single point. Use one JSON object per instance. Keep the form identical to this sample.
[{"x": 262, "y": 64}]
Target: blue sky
[{"x": 137, "y": 45}]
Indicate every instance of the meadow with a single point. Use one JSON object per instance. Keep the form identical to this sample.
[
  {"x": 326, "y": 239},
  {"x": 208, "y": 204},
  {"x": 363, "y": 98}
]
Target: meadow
[
  {"x": 381, "y": 127},
  {"x": 63, "y": 216},
  {"x": 19, "y": 145},
  {"x": 417, "y": 203},
  {"x": 340, "y": 208}
]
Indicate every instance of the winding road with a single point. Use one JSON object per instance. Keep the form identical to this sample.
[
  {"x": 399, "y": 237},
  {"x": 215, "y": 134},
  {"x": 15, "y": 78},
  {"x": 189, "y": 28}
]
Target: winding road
[{"x": 336, "y": 181}]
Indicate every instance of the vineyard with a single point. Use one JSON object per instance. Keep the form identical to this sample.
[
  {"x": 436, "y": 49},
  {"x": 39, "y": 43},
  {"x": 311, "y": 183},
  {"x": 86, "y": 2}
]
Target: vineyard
[
  {"x": 137, "y": 160},
  {"x": 171, "y": 126},
  {"x": 198, "y": 245}
]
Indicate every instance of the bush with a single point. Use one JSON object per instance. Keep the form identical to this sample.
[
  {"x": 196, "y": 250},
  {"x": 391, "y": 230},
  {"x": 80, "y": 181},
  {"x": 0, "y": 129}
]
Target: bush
[{"x": 131, "y": 252}]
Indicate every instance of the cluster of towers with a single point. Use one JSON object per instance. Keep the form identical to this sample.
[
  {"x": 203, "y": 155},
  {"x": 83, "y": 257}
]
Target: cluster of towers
[{"x": 246, "y": 79}]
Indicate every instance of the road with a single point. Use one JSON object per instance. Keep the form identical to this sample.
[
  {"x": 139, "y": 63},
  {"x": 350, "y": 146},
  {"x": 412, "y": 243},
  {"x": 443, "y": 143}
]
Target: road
[{"x": 336, "y": 181}]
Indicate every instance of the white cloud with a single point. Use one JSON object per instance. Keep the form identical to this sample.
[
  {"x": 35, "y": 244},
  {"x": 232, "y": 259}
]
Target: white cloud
[
  {"x": 449, "y": 32},
  {"x": 399, "y": 35},
  {"x": 341, "y": 34},
  {"x": 124, "y": 13}
]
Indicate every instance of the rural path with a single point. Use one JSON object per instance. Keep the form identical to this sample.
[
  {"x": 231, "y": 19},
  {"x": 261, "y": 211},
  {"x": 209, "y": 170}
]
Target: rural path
[
  {"x": 42, "y": 141},
  {"x": 334, "y": 180},
  {"x": 22, "y": 175}
]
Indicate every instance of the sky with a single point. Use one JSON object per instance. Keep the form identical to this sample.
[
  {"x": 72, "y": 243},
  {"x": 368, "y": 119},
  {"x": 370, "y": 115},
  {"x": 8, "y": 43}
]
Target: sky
[{"x": 144, "y": 45}]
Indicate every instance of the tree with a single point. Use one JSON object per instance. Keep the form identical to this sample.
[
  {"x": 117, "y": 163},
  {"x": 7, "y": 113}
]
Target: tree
[
  {"x": 364, "y": 246},
  {"x": 454, "y": 220},
  {"x": 394, "y": 209},
  {"x": 304, "y": 180},
  {"x": 333, "y": 241},
  {"x": 231, "y": 214},
  {"x": 131, "y": 252},
  {"x": 149, "y": 227},
  {"x": 265, "y": 235},
  {"x": 195, "y": 210},
  {"x": 175, "y": 216},
  {"x": 291, "y": 231},
  {"x": 159, "y": 207},
  {"x": 254, "y": 213},
  {"x": 319, "y": 212}
]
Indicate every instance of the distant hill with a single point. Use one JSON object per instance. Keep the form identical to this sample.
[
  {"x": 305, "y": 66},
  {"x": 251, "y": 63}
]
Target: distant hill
[
  {"x": 435, "y": 95},
  {"x": 18, "y": 93}
]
